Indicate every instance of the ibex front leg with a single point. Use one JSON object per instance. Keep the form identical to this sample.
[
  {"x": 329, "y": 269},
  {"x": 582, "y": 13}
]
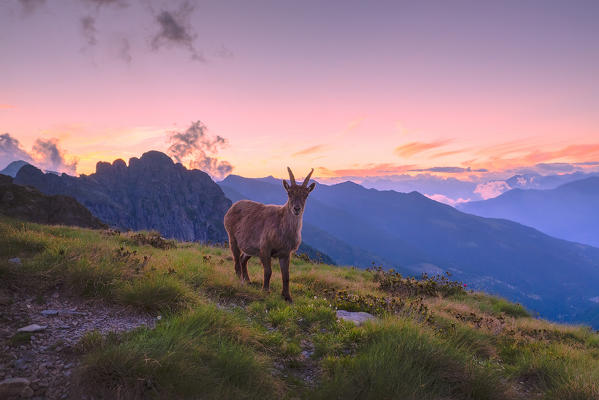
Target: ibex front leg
[{"x": 284, "y": 263}]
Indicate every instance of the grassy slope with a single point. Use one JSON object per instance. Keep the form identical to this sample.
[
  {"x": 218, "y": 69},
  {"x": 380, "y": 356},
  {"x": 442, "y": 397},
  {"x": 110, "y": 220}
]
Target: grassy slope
[{"x": 218, "y": 338}]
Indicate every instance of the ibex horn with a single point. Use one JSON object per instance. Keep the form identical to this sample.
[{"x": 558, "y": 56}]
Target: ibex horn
[
  {"x": 308, "y": 178},
  {"x": 291, "y": 177}
]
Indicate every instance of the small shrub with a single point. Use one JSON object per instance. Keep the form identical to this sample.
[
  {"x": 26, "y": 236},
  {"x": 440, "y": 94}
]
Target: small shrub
[
  {"x": 153, "y": 239},
  {"x": 91, "y": 340},
  {"x": 20, "y": 338},
  {"x": 435, "y": 285},
  {"x": 373, "y": 304}
]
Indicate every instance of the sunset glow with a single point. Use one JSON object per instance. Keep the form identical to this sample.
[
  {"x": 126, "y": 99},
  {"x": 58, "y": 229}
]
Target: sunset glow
[{"x": 467, "y": 89}]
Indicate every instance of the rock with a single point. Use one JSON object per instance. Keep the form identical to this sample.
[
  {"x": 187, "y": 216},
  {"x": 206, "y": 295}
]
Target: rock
[
  {"x": 357, "y": 317},
  {"x": 5, "y": 299},
  {"x": 49, "y": 312},
  {"x": 70, "y": 312},
  {"x": 32, "y": 328},
  {"x": 20, "y": 364},
  {"x": 15, "y": 260},
  {"x": 27, "y": 392},
  {"x": 13, "y": 387}
]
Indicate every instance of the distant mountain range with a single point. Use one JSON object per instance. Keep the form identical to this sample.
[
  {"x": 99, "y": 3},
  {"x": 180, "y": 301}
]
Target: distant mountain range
[
  {"x": 29, "y": 204},
  {"x": 350, "y": 224},
  {"x": 14, "y": 167},
  {"x": 453, "y": 191},
  {"x": 151, "y": 193},
  {"x": 414, "y": 234},
  {"x": 570, "y": 211}
]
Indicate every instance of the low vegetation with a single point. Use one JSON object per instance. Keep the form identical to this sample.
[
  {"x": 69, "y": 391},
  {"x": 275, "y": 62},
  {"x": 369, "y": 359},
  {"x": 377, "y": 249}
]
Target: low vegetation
[{"x": 218, "y": 338}]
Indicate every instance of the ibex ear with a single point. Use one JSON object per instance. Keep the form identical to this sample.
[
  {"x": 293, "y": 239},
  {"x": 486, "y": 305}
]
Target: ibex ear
[
  {"x": 311, "y": 187},
  {"x": 285, "y": 185}
]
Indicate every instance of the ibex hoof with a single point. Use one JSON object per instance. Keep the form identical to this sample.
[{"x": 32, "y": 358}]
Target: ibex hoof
[{"x": 287, "y": 298}]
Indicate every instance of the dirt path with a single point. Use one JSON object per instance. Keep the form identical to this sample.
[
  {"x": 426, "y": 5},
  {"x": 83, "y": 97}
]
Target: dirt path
[{"x": 47, "y": 358}]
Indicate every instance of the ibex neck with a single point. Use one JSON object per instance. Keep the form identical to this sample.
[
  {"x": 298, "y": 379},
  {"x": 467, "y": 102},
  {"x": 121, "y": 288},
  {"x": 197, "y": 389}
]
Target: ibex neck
[{"x": 292, "y": 221}]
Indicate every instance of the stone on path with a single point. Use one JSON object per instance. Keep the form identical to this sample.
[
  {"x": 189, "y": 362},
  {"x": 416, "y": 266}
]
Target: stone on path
[
  {"x": 5, "y": 299},
  {"x": 357, "y": 317},
  {"x": 15, "y": 260},
  {"x": 14, "y": 387},
  {"x": 32, "y": 328},
  {"x": 49, "y": 312}
]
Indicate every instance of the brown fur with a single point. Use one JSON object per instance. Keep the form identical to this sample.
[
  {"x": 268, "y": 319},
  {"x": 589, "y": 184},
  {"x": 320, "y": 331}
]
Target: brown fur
[{"x": 266, "y": 231}]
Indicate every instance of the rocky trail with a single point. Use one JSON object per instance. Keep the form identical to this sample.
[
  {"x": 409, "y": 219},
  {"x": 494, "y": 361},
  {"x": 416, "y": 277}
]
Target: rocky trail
[{"x": 39, "y": 334}]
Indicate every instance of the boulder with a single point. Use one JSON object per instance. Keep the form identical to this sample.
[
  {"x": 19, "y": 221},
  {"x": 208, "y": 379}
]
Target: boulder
[
  {"x": 32, "y": 328},
  {"x": 13, "y": 387},
  {"x": 357, "y": 317}
]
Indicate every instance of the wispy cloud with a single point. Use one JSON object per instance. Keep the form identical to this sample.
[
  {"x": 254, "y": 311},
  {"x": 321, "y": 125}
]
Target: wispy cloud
[
  {"x": 101, "y": 3},
  {"x": 441, "y": 198},
  {"x": 11, "y": 150},
  {"x": 491, "y": 189},
  {"x": 197, "y": 149},
  {"x": 124, "y": 50},
  {"x": 413, "y": 148},
  {"x": 516, "y": 155},
  {"x": 310, "y": 150},
  {"x": 368, "y": 170},
  {"x": 174, "y": 30},
  {"x": 6, "y": 106},
  {"x": 49, "y": 156},
  {"x": 447, "y": 153},
  {"x": 449, "y": 170},
  {"x": 29, "y": 6},
  {"x": 45, "y": 154},
  {"x": 88, "y": 30}
]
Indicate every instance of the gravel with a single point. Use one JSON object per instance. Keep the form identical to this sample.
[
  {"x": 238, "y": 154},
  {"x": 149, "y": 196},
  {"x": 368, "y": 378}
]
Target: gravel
[{"x": 47, "y": 361}]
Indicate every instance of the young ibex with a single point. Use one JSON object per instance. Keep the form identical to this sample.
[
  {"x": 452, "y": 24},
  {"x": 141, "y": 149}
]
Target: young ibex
[{"x": 266, "y": 230}]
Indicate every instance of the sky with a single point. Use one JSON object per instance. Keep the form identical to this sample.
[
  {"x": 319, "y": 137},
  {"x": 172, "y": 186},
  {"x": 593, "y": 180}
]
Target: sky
[{"x": 468, "y": 89}]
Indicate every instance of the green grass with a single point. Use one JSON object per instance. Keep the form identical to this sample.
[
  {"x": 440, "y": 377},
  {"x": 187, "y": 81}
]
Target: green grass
[
  {"x": 219, "y": 338},
  {"x": 401, "y": 360},
  {"x": 203, "y": 353},
  {"x": 20, "y": 338},
  {"x": 498, "y": 305}
]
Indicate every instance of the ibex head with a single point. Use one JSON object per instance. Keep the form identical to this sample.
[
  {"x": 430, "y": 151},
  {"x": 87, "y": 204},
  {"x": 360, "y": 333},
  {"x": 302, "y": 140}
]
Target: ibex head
[{"x": 297, "y": 193}]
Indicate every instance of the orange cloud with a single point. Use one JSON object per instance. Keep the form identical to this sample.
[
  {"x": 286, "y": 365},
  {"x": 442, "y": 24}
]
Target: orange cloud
[
  {"x": 529, "y": 155},
  {"x": 309, "y": 150},
  {"x": 6, "y": 106},
  {"x": 447, "y": 153},
  {"x": 368, "y": 170},
  {"x": 410, "y": 149}
]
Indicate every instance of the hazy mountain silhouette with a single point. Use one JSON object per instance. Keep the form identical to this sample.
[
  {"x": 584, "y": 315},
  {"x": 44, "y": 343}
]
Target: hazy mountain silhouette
[
  {"x": 29, "y": 204},
  {"x": 414, "y": 233},
  {"x": 150, "y": 193},
  {"x": 13, "y": 168},
  {"x": 570, "y": 211}
]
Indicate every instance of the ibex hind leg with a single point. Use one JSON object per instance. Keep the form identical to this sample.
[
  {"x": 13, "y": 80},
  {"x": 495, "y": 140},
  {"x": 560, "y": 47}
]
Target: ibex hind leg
[
  {"x": 267, "y": 272},
  {"x": 244, "y": 267},
  {"x": 236, "y": 255}
]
